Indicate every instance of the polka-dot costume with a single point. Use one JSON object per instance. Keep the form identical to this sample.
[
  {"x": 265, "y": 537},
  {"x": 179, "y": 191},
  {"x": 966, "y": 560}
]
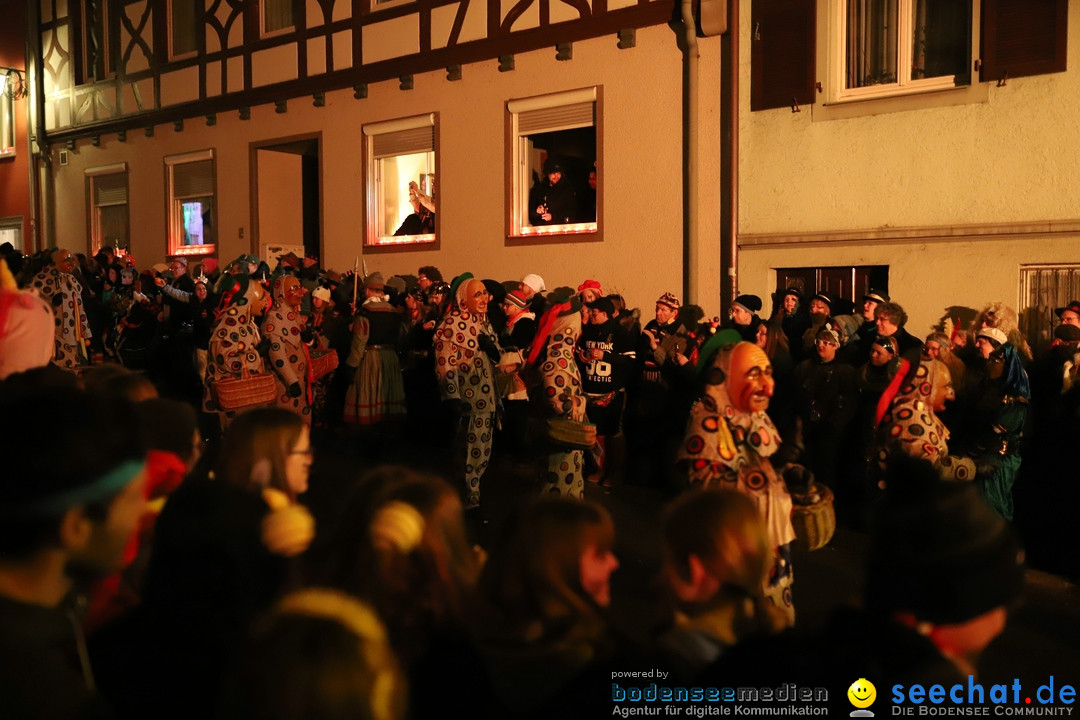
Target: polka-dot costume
[
  {"x": 562, "y": 395},
  {"x": 910, "y": 426},
  {"x": 725, "y": 447},
  {"x": 233, "y": 346},
  {"x": 465, "y": 373},
  {"x": 64, "y": 294},
  {"x": 288, "y": 355}
]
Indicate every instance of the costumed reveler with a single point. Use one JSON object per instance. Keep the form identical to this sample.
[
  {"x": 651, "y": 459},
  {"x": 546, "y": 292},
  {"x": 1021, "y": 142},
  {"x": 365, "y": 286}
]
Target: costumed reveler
[
  {"x": 234, "y": 342},
  {"x": 288, "y": 354},
  {"x": 908, "y": 421},
  {"x": 26, "y": 327},
  {"x": 561, "y": 394},
  {"x": 58, "y": 287},
  {"x": 729, "y": 440},
  {"x": 377, "y": 392},
  {"x": 465, "y": 352}
]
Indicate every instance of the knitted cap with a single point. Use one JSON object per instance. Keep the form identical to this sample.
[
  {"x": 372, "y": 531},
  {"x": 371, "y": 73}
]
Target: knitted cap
[
  {"x": 750, "y": 303},
  {"x": 670, "y": 300}
]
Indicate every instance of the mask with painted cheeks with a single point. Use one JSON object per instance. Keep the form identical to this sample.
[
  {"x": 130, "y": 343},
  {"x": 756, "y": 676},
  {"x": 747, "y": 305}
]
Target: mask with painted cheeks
[
  {"x": 750, "y": 380},
  {"x": 256, "y": 297}
]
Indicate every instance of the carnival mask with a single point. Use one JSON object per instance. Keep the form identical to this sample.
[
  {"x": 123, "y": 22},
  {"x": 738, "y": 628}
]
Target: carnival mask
[
  {"x": 476, "y": 298},
  {"x": 749, "y": 380}
]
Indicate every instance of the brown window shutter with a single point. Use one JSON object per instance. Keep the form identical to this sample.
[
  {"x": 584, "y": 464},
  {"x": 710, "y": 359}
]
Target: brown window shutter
[
  {"x": 782, "y": 42},
  {"x": 1023, "y": 37}
]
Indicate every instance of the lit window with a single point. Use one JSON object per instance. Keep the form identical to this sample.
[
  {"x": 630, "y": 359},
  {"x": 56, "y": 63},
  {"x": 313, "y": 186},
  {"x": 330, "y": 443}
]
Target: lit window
[
  {"x": 183, "y": 24},
  {"x": 402, "y": 195},
  {"x": 880, "y": 48},
  {"x": 7, "y": 122},
  {"x": 554, "y": 170},
  {"x": 191, "y": 208},
  {"x": 11, "y": 231},
  {"x": 107, "y": 188},
  {"x": 277, "y": 15}
]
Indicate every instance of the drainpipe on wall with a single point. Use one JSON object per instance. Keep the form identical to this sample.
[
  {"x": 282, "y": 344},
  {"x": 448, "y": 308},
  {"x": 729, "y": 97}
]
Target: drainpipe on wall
[
  {"x": 42, "y": 189},
  {"x": 729, "y": 159},
  {"x": 33, "y": 79},
  {"x": 692, "y": 244}
]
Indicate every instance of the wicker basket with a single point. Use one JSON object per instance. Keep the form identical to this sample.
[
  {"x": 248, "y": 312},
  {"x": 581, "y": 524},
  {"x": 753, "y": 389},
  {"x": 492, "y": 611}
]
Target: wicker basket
[
  {"x": 816, "y": 523},
  {"x": 248, "y": 390},
  {"x": 569, "y": 434},
  {"x": 323, "y": 362}
]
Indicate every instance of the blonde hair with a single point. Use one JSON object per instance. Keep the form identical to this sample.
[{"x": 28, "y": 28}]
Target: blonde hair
[{"x": 318, "y": 654}]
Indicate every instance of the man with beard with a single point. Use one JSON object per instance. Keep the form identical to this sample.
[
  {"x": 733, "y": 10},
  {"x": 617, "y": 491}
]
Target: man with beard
[
  {"x": 821, "y": 306},
  {"x": 69, "y": 526},
  {"x": 553, "y": 202}
]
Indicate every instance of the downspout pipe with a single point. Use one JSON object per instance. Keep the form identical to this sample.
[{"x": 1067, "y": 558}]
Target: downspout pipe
[
  {"x": 33, "y": 78},
  {"x": 42, "y": 190},
  {"x": 692, "y": 244},
  {"x": 729, "y": 160}
]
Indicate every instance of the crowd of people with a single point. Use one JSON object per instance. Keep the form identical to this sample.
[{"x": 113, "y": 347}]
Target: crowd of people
[{"x": 207, "y": 583}]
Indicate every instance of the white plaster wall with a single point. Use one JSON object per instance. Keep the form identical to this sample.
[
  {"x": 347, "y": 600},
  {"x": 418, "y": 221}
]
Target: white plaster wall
[
  {"x": 924, "y": 277},
  {"x": 640, "y": 256},
  {"x": 1011, "y": 159}
]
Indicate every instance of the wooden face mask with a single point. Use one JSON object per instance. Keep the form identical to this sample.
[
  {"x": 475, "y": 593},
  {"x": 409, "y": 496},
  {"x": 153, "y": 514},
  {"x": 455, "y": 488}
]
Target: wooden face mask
[{"x": 749, "y": 380}]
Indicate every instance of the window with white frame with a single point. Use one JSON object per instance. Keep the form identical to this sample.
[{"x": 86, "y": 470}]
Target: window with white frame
[
  {"x": 191, "y": 205},
  {"x": 402, "y": 196},
  {"x": 11, "y": 231},
  {"x": 183, "y": 27},
  {"x": 7, "y": 122},
  {"x": 107, "y": 188},
  {"x": 277, "y": 15},
  {"x": 553, "y": 164},
  {"x": 882, "y": 48}
]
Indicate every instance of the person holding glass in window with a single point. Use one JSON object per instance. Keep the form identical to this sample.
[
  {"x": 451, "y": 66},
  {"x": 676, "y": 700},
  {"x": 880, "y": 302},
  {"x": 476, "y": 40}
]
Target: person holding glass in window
[
  {"x": 552, "y": 202},
  {"x": 422, "y": 219}
]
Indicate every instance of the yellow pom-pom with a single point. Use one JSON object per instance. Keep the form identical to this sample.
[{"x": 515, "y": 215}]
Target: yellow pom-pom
[{"x": 7, "y": 280}]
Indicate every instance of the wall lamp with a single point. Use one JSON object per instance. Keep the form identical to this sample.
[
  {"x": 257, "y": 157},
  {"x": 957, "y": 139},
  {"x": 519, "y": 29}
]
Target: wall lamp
[{"x": 12, "y": 83}]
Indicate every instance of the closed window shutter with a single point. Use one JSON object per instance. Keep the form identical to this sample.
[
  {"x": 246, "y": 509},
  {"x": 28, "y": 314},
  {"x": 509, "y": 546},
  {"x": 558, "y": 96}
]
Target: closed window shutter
[
  {"x": 563, "y": 117},
  {"x": 110, "y": 189},
  {"x": 783, "y": 44},
  {"x": 404, "y": 142},
  {"x": 192, "y": 180},
  {"x": 277, "y": 15},
  {"x": 1023, "y": 37}
]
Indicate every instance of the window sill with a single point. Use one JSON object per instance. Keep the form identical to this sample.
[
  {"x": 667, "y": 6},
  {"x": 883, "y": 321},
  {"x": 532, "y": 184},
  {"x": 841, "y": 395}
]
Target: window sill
[
  {"x": 540, "y": 234},
  {"x": 376, "y": 5},
  {"x": 965, "y": 95},
  {"x": 10, "y": 153},
  {"x": 190, "y": 250},
  {"x": 403, "y": 243}
]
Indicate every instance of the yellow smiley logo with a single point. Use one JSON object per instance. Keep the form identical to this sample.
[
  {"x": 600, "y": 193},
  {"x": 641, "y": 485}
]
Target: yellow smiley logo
[{"x": 862, "y": 693}]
